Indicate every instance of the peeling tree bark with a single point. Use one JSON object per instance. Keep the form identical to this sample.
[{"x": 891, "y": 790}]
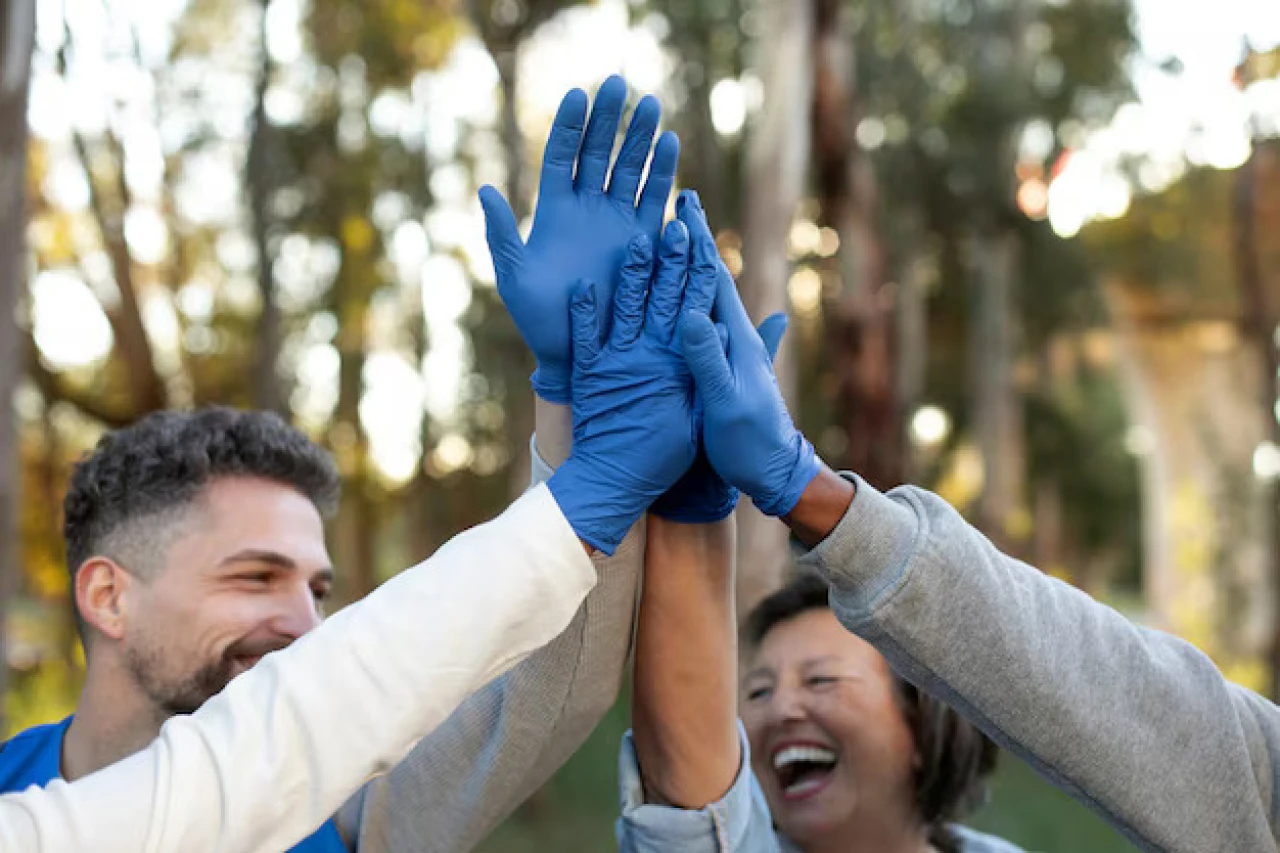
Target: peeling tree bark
[{"x": 17, "y": 35}]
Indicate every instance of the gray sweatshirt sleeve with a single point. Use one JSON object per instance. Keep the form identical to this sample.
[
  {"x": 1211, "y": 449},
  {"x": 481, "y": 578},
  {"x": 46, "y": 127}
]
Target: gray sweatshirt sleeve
[
  {"x": 508, "y": 739},
  {"x": 1136, "y": 724}
]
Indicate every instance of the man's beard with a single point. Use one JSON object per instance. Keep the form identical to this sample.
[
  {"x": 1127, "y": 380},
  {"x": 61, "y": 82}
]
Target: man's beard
[{"x": 185, "y": 694}]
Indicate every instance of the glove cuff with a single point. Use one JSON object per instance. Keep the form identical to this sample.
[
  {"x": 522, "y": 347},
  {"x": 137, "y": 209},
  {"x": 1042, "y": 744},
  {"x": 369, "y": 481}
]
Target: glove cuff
[
  {"x": 598, "y": 508},
  {"x": 551, "y": 385},
  {"x": 706, "y": 510},
  {"x": 805, "y": 467}
]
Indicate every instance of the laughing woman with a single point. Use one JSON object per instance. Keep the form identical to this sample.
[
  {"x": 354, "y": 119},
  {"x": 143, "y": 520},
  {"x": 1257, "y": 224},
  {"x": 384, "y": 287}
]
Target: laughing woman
[
  {"x": 849, "y": 756},
  {"x": 834, "y": 753}
]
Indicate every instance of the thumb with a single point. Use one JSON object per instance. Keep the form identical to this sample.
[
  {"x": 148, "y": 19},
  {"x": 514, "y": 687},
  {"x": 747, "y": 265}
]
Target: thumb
[
  {"x": 702, "y": 350},
  {"x": 771, "y": 332},
  {"x": 500, "y": 227}
]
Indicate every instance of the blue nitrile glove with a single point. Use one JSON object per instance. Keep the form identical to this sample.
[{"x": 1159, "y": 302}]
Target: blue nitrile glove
[
  {"x": 746, "y": 429},
  {"x": 702, "y": 496},
  {"x": 633, "y": 432},
  {"x": 580, "y": 228}
]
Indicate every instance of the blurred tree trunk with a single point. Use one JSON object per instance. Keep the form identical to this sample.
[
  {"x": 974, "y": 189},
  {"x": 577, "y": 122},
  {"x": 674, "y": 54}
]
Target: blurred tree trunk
[
  {"x": 695, "y": 29},
  {"x": 1259, "y": 326},
  {"x": 503, "y": 29},
  {"x": 860, "y": 318},
  {"x": 997, "y": 420},
  {"x": 912, "y": 350},
  {"x": 520, "y": 405},
  {"x": 776, "y": 167},
  {"x": 17, "y": 35},
  {"x": 355, "y": 531},
  {"x": 268, "y": 387},
  {"x": 1191, "y": 386}
]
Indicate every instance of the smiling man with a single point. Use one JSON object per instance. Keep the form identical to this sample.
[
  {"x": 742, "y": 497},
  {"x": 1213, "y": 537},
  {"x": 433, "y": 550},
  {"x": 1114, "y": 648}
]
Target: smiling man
[
  {"x": 196, "y": 546},
  {"x": 195, "y": 542}
]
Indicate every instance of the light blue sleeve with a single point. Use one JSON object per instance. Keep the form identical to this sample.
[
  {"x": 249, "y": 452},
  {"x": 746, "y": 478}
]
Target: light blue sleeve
[{"x": 740, "y": 822}]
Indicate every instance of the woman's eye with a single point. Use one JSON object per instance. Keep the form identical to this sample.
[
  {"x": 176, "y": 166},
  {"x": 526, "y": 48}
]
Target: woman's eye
[
  {"x": 757, "y": 693},
  {"x": 822, "y": 680}
]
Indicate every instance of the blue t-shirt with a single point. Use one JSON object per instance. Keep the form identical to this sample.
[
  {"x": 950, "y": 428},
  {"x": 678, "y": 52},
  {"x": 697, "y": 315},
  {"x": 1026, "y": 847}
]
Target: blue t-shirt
[{"x": 34, "y": 757}]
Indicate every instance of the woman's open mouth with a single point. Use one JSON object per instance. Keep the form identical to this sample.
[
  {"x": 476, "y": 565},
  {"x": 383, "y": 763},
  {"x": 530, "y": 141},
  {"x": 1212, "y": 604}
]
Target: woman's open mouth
[{"x": 803, "y": 770}]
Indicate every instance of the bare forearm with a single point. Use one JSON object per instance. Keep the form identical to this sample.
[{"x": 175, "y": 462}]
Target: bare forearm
[{"x": 684, "y": 698}]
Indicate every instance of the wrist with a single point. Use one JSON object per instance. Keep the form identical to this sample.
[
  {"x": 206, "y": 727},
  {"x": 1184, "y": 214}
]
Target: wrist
[
  {"x": 821, "y": 506},
  {"x": 553, "y": 427},
  {"x": 794, "y": 466}
]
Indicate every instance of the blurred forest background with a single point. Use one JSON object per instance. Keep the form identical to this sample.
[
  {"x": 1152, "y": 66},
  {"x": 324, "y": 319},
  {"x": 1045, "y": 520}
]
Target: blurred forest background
[{"x": 1031, "y": 251}]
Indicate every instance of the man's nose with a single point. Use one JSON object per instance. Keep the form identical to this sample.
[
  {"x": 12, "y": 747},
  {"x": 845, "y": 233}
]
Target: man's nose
[{"x": 298, "y": 613}]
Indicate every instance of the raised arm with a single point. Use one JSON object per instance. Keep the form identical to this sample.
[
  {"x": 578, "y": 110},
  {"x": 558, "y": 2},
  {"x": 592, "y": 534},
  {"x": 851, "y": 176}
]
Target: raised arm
[
  {"x": 685, "y": 690},
  {"x": 508, "y": 739},
  {"x": 1136, "y": 724},
  {"x": 316, "y": 719},
  {"x": 684, "y": 780}
]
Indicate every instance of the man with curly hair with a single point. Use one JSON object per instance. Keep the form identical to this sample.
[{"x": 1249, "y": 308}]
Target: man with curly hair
[{"x": 195, "y": 542}]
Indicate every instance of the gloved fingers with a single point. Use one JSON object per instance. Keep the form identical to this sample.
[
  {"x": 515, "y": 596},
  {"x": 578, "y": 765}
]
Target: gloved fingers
[
  {"x": 728, "y": 307},
  {"x": 668, "y": 285},
  {"x": 633, "y": 286},
  {"x": 588, "y": 322},
  {"x": 704, "y": 259},
  {"x": 771, "y": 332},
  {"x": 500, "y": 228},
  {"x": 662, "y": 174},
  {"x": 703, "y": 352},
  {"x": 628, "y": 169},
  {"x": 602, "y": 127},
  {"x": 723, "y": 333},
  {"x": 562, "y": 144}
]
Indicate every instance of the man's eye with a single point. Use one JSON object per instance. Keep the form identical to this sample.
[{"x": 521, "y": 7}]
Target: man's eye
[
  {"x": 258, "y": 578},
  {"x": 321, "y": 593}
]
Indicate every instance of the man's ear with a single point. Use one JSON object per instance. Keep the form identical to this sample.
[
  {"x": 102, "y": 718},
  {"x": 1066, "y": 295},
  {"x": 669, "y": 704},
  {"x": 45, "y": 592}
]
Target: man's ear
[{"x": 100, "y": 589}]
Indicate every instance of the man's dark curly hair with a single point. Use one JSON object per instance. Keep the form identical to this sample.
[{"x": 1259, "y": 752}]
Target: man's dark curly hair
[
  {"x": 955, "y": 758},
  {"x": 124, "y": 495}
]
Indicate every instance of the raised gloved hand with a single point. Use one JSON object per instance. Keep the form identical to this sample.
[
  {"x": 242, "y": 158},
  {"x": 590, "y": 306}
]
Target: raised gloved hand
[
  {"x": 702, "y": 496},
  {"x": 747, "y": 431},
  {"x": 581, "y": 228},
  {"x": 633, "y": 432}
]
